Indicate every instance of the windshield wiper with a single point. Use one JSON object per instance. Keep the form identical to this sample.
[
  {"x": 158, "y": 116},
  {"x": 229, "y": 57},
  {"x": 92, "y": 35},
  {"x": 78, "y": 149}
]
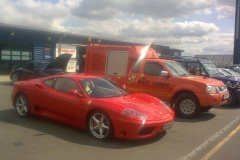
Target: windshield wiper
[{"x": 218, "y": 73}]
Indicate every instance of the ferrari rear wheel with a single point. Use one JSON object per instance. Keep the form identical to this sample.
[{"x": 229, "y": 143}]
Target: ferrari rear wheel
[
  {"x": 22, "y": 105},
  {"x": 100, "y": 125}
]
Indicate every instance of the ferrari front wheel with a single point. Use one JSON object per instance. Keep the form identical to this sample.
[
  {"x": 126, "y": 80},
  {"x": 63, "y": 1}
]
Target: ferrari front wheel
[
  {"x": 22, "y": 105},
  {"x": 100, "y": 125}
]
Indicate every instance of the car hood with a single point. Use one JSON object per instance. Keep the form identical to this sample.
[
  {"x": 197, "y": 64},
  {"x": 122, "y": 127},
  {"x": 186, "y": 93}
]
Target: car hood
[
  {"x": 204, "y": 80},
  {"x": 226, "y": 78},
  {"x": 60, "y": 62},
  {"x": 142, "y": 103}
]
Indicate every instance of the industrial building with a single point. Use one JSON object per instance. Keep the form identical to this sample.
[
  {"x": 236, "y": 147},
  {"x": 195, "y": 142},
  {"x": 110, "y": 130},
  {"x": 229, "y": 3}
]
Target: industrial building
[{"x": 20, "y": 44}]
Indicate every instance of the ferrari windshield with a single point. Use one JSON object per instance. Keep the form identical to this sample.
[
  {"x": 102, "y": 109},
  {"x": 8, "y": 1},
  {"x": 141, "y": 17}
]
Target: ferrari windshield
[
  {"x": 176, "y": 69},
  {"x": 100, "y": 88},
  {"x": 211, "y": 69}
]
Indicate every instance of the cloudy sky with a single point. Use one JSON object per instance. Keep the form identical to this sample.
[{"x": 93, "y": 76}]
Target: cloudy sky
[{"x": 196, "y": 26}]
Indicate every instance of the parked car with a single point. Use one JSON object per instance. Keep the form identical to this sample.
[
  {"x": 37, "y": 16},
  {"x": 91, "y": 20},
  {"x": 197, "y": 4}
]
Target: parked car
[
  {"x": 229, "y": 73},
  {"x": 233, "y": 68},
  {"x": 97, "y": 104},
  {"x": 37, "y": 69},
  {"x": 205, "y": 67}
]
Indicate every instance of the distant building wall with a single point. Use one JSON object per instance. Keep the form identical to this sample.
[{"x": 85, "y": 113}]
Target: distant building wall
[{"x": 166, "y": 50}]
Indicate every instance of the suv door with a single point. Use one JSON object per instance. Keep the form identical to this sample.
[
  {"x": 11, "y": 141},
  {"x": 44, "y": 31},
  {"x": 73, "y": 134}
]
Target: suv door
[{"x": 150, "y": 81}]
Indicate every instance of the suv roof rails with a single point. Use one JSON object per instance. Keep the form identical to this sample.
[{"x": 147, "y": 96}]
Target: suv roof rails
[
  {"x": 202, "y": 58},
  {"x": 175, "y": 57}
]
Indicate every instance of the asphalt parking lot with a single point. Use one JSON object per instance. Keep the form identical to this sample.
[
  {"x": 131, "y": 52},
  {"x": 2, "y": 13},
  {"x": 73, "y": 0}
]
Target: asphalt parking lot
[{"x": 212, "y": 135}]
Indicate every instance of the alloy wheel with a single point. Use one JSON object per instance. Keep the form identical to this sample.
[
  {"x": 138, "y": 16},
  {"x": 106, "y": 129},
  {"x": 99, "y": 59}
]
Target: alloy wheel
[
  {"x": 187, "y": 106},
  {"x": 22, "y": 106},
  {"x": 99, "y": 125}
]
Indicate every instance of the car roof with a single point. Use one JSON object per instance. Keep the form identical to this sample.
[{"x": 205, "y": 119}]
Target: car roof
[
  {"x": 186, "y": 59},
  {"x": 75, "y": 76}
]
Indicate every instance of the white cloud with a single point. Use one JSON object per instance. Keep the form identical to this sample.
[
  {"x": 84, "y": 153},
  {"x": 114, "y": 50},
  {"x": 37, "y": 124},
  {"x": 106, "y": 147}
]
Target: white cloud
[
  {"x": 149, "y": 8},
  {"x": 226, "y": 12},
  {"x": 132, "y": 20}
]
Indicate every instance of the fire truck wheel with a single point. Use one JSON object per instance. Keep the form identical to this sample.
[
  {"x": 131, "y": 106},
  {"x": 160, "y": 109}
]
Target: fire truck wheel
[{"x": 187, "y": 105}]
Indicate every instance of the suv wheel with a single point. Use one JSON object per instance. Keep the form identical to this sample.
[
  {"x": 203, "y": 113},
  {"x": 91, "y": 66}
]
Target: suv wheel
[
  {"x": 187, "y": 105},
  {"x": 232, "y": 100}
]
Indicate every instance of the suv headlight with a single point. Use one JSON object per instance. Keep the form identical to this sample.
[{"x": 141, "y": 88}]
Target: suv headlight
[{"x": 211, "y": 89}]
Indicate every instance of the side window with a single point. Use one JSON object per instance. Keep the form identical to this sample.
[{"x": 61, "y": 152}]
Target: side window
[
  {"x": 65, "y": 85},
  {"x": 49, "y": 82},
  {"x": 184, "y": 64},
  {"x": 196, "y": 69},
  {"x": 136, "y": 66},
  {"x": 193, "y": 68},
  {"x": 152, "y": 69}
]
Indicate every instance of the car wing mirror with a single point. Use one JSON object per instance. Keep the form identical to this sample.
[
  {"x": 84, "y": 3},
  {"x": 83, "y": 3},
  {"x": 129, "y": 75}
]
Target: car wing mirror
[
  {"x": 75, "y": 93},
  {"x": 165, "y": 74}
]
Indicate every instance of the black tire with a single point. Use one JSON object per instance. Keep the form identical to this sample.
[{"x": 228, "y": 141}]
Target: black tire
[
  {"x": 187, "y": 105},
  {"x": 232, "y": 100},
  {"x": 206, "y": 109},
  {"x": 99, "y": 121},
  {"x": 15, "y": 77},
  {"x": 22, "y": 105}
]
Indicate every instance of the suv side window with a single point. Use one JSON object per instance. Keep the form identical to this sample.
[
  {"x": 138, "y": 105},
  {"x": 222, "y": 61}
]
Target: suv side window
[
  {"x": 65, "y": 85},
  {"x": 184, "y": 64},
  {"x": 136, "y": 66},
  {"x": 152, "y": 69},
  {"x": 195, "y": 69}
]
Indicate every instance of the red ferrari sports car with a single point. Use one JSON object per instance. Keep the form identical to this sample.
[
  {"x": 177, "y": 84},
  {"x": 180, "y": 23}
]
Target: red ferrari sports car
[{"x": 97, "y": 104}]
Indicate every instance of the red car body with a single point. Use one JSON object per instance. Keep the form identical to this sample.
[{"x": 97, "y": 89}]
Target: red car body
[{"x": 132, "y": 116}]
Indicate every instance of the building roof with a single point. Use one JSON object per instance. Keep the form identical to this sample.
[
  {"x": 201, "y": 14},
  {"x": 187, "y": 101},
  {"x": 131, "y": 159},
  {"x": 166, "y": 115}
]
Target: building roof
[{"x": 10, "y": 32}]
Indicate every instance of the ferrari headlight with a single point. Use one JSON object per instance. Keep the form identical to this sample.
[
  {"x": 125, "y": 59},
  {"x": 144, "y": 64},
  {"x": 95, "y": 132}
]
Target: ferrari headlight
[
  {"x": 211, "y": 89},
  {"x": 133, "y": 113}
]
